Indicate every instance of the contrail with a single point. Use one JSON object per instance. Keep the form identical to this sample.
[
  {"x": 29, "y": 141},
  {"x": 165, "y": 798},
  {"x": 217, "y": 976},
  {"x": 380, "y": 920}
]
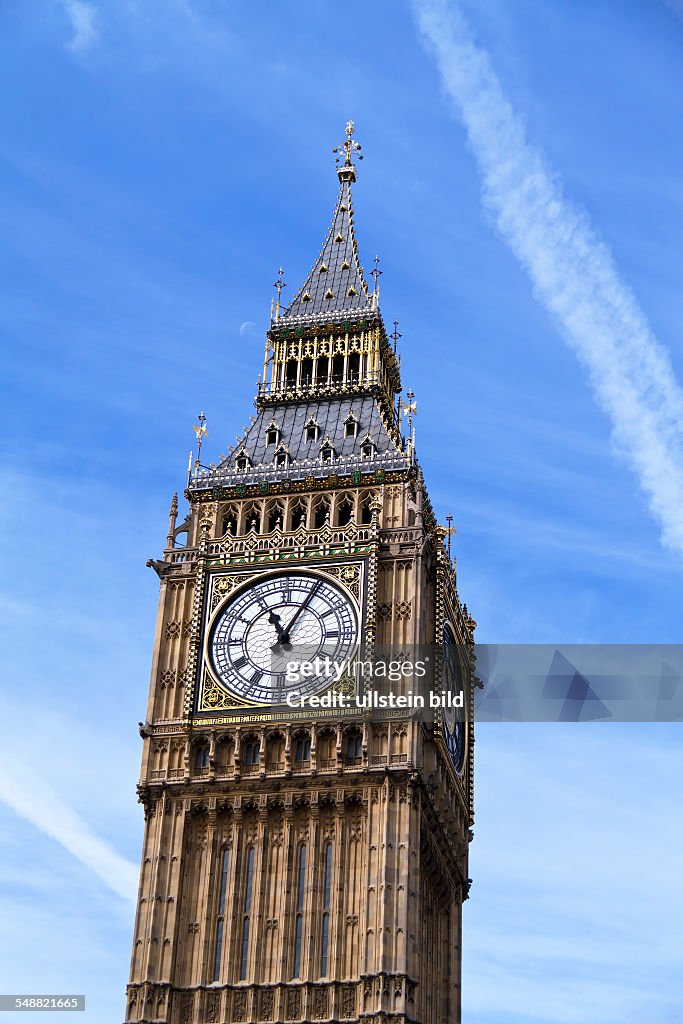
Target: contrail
[
  {"x": 37, "y": 803},
  {"x": 571, "y": 270}
]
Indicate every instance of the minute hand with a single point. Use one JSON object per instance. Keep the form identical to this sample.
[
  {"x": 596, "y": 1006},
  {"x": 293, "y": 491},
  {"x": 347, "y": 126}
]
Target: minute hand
[{"x": 284, "y": 638}]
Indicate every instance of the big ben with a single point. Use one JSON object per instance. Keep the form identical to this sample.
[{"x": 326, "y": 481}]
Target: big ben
[{"x": 304, "y": 863}]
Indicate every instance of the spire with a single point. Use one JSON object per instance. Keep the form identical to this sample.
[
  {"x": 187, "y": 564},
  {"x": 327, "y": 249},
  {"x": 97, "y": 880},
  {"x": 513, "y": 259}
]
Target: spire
[{"x": 336, "y": 282}]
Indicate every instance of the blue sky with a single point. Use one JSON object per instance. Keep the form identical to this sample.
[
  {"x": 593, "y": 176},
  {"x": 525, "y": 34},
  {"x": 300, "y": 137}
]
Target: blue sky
[{"x": 160, "y": 160}]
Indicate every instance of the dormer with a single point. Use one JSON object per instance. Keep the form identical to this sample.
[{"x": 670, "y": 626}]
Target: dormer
[
  {"x": 351, "y": 426},
  {"x": 327, "y": 450},
  {"x": 242, "y": 460},
  {"x": 368, "y": 447},
  {"x": 311, "y": 430},
  {"x": 273, "y": 433},
  {"x": 282, "y": 458}
]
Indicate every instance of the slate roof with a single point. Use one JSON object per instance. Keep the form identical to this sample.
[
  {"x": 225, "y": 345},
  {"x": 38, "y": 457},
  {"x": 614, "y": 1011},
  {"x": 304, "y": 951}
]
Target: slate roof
[
  {"x": 330, "y": 416},
  {"x": 336, "y": 282}
]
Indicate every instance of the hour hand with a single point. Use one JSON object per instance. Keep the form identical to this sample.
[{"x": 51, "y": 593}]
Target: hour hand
[{"x": 275, "y": 620}]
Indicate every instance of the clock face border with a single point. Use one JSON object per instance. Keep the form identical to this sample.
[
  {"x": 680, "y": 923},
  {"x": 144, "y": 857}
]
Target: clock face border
[
  {"x": 447, "y": 629},
  {"x": 211, "y": 696}
]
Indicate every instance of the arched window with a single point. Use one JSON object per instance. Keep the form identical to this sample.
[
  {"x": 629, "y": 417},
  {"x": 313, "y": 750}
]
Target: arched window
[
  {"x": 302, "y": 750},
  {"x": 327, "y": 751},
  {"x": 366, "y": 511},
  {"x": 354, "y": 367},
  {"x": 201, "y": 756},
  {"x": 354, "y": 747},
  {"x": 320, "y": 514},
  {"x": 299, "y": 924},
  {"x": 230, "y": 522},
  {"x": 220, "y": 924},
  {"x": 246, "y": 917},
  {"x": 276, "y": 515},
  {"x": 275, "y": 755},
  {"x": 344, "y": 511},
  {"x": 327, "y": 905},
  {"x": 299, "y": 515},
  {"x": 252, "y": 753}
]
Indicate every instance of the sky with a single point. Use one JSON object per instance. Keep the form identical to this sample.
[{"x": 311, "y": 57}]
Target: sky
[{"x": 158, "y": 162}]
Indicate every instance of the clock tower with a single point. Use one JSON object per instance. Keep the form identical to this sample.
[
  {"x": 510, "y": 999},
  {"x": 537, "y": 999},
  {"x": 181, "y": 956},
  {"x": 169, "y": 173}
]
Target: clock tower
[{"x": 304, "y": 863}]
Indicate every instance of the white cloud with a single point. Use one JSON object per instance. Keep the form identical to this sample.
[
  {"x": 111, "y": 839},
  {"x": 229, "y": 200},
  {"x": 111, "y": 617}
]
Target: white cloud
[
  {"x": 35, "y": 801},
  {"x": 83, "y": 18},
  {"x": 571, "y": 269}
]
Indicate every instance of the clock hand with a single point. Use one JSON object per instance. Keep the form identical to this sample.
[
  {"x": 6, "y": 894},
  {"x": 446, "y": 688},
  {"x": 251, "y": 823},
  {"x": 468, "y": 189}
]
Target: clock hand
[
  {"x": 276, "y": 621},
  {"x": 284, "y": 638}
]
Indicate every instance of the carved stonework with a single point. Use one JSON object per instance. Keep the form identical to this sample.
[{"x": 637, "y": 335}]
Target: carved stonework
[{"x": 294, "y": 1005}]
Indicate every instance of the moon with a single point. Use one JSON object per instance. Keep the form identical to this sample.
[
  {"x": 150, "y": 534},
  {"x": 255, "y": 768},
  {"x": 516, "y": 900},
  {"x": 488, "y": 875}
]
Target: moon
[{"x": 247, "y": 327}]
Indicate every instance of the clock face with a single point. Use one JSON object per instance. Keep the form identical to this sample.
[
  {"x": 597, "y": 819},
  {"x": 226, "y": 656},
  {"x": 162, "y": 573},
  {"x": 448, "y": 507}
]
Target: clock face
[
  {"x": 288, "y": 616},
  {"x": 454, "y": 730}
]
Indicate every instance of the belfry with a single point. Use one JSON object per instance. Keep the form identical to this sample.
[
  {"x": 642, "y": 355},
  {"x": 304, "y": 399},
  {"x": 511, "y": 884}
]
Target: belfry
[{"x": 304, "y": 863}]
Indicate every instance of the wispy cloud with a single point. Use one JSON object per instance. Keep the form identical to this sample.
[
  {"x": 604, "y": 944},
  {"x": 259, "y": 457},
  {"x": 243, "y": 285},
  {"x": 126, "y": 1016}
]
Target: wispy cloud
[
  {"x": 35, "y": 801},
  {"x": 83, "y": 18},
  {"x": 571, "y": 269}
]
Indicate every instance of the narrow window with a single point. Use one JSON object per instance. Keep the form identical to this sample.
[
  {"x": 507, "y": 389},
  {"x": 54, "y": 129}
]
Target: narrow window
[
  {"x": 247, "y": 913},
  {"x": 201, "y": 757},
  {"x": 242, "y": 463},
  {"x": 327, "y": 897},
  {"x": 272, "y": 435},
  {"x": 367, "y": 449},
  {"x": 281, "y": 459},
  {"x": 351, "y": 428},
  {"x": 252, "y": 755},
  {"x": 311, "y": 432},
  {"x": 298, "y": 929},
  {"x": 303, "y": 750},
  {"x": 354, "y": 747},
  {"x": 220, "y": 925}
]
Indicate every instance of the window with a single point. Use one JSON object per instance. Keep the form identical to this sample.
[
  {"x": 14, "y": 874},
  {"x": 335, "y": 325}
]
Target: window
[
  {"x": 299, "y": 516},
  {"x": 327, "y": 901},
  {"x": 350, "y": 426},
  {"x": 242, "y": 462},
  {"x": 354, "y": 367},
  {"x": 276, "y": 516},
  {"x": 299, "y": 925},
  {"x": 272, "y": 435},
  {"x": 366, "y": 513},
  {"x": 344, "y": 512},
  {"x": 320, "y": 514},
  {"x": 311, "y": 431},
  {"x": 367, "y": 449},
  {"x": 327, "y": 452},
  {"x": 302, "y": 750},
  {"x": 307, "y": 372},
  {"x": 220, "y": 924},
  {"x": 354, "y": 746},
  {"x": 201, "y": 756},
  {"x": 230, "y": 523},
  {"x": 246, "y": 919},
  {"x": 291, "y": 371},
  {"x": 251, "y": 754},
  {"x": 282, "y": 458}
]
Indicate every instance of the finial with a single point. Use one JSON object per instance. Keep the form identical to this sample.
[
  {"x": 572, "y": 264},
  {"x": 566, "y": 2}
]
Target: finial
[
  {"x": 347, "y": 171},
  {"x": 410, "y": 408},
  {"x": 279, "y": 284},
  {"x": 376, "y": 273},
  {"x": 450, "y": 532},
  {"x": 200, "y": 432},
  {"x": 396, "y": 335}
]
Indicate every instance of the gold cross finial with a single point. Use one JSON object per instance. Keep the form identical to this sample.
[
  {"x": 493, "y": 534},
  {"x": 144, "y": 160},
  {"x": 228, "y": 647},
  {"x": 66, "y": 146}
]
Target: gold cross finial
[
  {"x": 346, "y": 171},
  {"x": 200, "y": 432}
]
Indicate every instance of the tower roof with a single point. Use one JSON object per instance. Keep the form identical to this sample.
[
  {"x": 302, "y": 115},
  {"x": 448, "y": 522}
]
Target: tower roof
[{"x": 336, "y": 282}]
